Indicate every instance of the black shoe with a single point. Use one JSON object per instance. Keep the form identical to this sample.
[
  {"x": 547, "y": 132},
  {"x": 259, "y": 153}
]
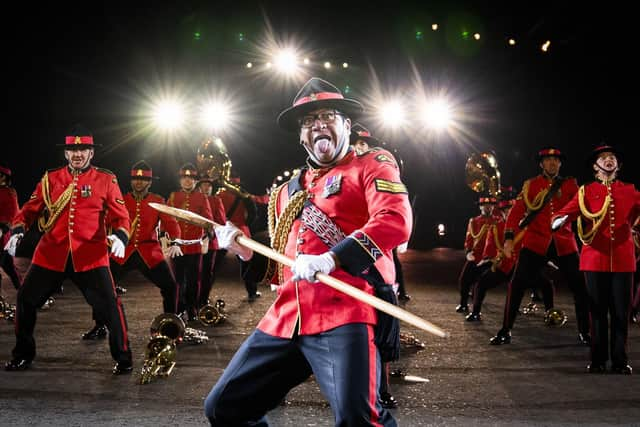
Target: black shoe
[
  {"x": 584, "y": 339},
  {"x": 635, "y": 317},
  {"x": 462, "y": 308},
  {"x": 474, "y": 317},
  {"x": 120, "y": 290},
  {"x": 255, "y": 296},
  {"x": 624, "y": 370},
  {"x": 99, "y": 332},
  {"x": 535, "y": 297},
  {"x": 17, "y": 365},
  {"x": 502, "y": 337},
  {"x": 122, "y": 368},
  {"x": 596, "y": 368},
  {"x": 404, "y": 297},
  {"x": 388, "y": 401}
]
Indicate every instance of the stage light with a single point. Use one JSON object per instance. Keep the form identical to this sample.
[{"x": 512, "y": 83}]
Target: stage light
[
  {"x": 434, "y": 27},
  {"x": 476, "y": 36},
  {"x": 345, "y": 65},
  {"x": 419, "y": 35},
  {"x": 436, "y": 114},
  {"x": 306, "y": 61},
  {"x": 392, "y": 114},
  {"x": 168, "y": 115},
  {"x": 249, "y": 64},
  {"x": 240, "y": 37},
  {"x": 546, "y": 45},
  {"x": 327, "y": 65},
  {"x": 512, "y": 42},
  {"x": 441, "y": 230},
  {"x": 215, "y": 115},
  {"x": 465, "y": 35},
  {"x": 267, "y": 65},
  {"x": 197, "y": 35},
  {"x": 285, "y": 61}
]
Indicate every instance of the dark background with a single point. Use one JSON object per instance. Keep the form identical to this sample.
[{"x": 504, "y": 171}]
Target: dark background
[{"x": 102, "y": 64}]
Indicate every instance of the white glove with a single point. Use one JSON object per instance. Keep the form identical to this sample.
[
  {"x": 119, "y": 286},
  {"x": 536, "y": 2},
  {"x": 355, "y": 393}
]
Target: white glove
[
  {"x": 13, "y": 243},
  {"x": 483, "y": 262},
  {"x": 558, "y": 222},
  {"x": 470, "y": 257},
  {"x": 174, "y": 251},
  {"x": 403, "y": 247},
  {"x": 1, "y": 233},
  {"x": 117, "y": 246},
  {"x": 305, "y": 267},
  {"x": 226, "y": 235}
]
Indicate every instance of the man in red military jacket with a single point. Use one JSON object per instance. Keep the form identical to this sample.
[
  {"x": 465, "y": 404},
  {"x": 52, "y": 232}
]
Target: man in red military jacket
[
  {"x": 478, "y": 228},
  {"x": 606, "y": 210},
  {"x": 8, "y": 210},
  {"x": 209, "y": 259},
  {"x": 188, "y": 267},
  {"x": 74, "y": 245},
  {"x": 241, "y": 211},
  {"x": 342, "y": 215},
  {"x": 144, "y": 252},
  {"x": 538, "y": 201}
]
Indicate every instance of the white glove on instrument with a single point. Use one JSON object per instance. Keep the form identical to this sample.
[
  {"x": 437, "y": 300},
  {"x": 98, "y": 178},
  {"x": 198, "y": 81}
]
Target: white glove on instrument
[
  {"x": 305, "y": 267},
  {"x": 403, "y": 247},
  {"x": 13, "y": 243},
  {"x": 117, "y": 246},
  {"x": 470, "y": 257},
  {"x": 226, "y": 235},
  {"x": 174, "y": 251},
  {"x": 558, "y": 222}
]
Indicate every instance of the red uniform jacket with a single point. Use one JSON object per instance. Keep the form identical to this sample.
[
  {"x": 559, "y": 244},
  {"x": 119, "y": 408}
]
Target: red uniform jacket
[
  {"x": 538, "y": 236},
  {"x": 494, "y": 245},
  {"x": 193, "y": 201},
  {"x": 144, "y": 237},
  {"x": 240, "y": 216},
  {"x": 80, "y": 229},
  {"x": 219, "y": 217},
  {"x": 364, "y": 197},
  {"x": 612, "y": 248},
  {"x": 8, "y": 210},
  {"x": 478, "y": 229}
]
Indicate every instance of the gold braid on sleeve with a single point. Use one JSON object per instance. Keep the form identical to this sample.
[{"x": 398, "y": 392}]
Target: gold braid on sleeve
[
  {"x": 279, "y": 227},
  {"x": 45, "y": 223},
  {"x": 595, "y": 217},
  {"x": 537, "y": 202},
  {"x": 478, "y": 236}
]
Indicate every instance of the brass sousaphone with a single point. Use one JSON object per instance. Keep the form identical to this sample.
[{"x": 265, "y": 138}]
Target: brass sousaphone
[
  {"x": 212, "y": 161},
  {"x": 160, "y": 355},
  {"x": 482, "y": 174}
]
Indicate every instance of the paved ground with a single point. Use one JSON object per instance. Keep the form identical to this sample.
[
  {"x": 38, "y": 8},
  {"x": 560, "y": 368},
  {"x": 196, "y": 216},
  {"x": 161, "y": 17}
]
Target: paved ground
[{"x": 537, "y": 380}]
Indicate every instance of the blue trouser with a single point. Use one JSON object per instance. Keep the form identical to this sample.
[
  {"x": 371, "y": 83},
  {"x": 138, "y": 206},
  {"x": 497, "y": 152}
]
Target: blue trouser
[{"x": 344, "y": 360}]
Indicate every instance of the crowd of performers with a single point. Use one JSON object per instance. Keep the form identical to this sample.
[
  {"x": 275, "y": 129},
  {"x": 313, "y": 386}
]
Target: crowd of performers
[
  {"x": 515, "y": 240},
  {"x": 346, "y": 213}
]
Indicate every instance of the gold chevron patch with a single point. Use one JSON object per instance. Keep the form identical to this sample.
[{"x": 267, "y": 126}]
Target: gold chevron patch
[
  {"x": 383, "y": 158},
  {"x": 385, "y": 186},
  {"x": 120, "y": 201}
]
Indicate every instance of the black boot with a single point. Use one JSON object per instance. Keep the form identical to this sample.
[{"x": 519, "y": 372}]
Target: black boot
[
  {"x": 98, "y": 332},
  {"x": 388, "y": 401},
  {"x": 502, "y": 337},
  {"x": 474, "y": 317},
  {"x": 462, "y": 308}
]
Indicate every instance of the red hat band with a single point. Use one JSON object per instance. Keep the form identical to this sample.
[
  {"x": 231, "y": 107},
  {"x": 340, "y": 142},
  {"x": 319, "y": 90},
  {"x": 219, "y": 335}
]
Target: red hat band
[
  {"x": 141, "y": 173},
  {"x": 549, "y": 152},
  {"x": 78, "y": 140},
  {"x": 486, "y": 200},
  {"x": 5, "y": 171},
  {"x": 318, "y": 97}
]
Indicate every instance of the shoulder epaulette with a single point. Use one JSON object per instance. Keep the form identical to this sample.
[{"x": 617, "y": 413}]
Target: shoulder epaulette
[{"x": 103, "y": 170}]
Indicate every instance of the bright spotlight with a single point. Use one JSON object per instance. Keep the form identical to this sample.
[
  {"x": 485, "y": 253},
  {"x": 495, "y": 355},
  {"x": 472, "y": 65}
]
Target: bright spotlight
[
  {"x": 286, "y": 61},
  {"x": 434, "y": 27},
  {"x": 436, "y": 114},
  {"x": 392, "y": 114},
  {"x": 306, "y": 61},
  {"x": 327, "y": 65},
  {"x": 215, "y": 115},
  {"x": 249, "y": 64},
  {"x": 545, "y": 46},
  {"x": 512, "y": 42},
  {"x": 476, "y": 36},
  {"x": 169, "y": 115},
  {"x": 345, "y": 65},
  {"x": 441, "y": 230},
  {"x": 267, "y": 65}
]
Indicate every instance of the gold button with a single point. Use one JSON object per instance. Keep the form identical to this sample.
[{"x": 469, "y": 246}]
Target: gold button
[
  {"x": 70, "y": 231},
  {"x": 70, "y": 224}
]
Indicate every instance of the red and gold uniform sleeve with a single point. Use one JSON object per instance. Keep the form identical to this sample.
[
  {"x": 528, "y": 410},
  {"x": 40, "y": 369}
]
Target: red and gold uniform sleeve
[
  {"x": 389, "y": 216},
  {"x": 118, "y": 213},
  {"x": 31, "y": 210},
  {"x": 516, "y": 214}
]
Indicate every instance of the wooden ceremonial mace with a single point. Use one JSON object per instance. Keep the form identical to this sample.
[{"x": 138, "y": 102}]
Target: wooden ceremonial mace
[{"x": 390, "y": 309}]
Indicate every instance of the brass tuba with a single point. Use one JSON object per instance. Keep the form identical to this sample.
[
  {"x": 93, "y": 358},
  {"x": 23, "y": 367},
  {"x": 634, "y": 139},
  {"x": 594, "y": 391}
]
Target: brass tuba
[
  {"x": 555, "y": 317},
  {"x": 7, "y": 311},
  {"x": 213, "y": 162},
  {"x": 482, "y": 174},
  {"x": 212, "y": 314},
  {"x": 160, "y": 355}
]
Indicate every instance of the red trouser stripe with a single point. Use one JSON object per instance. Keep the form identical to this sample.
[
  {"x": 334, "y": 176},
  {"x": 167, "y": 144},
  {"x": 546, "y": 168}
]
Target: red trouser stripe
[{"x": 373, "y": 375}]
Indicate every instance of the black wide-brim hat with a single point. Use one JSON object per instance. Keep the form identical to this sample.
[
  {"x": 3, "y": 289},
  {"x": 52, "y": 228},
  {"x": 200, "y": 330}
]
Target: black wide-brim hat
[
  {"x": 359, "y": 132},
  {"x": 142, "y": 170},
  {"x": 603, "y": 148},
  {"x": 317, "y": 93},
  {"x": 78, "y": 137},
  {"x": 549, "y": 152}
]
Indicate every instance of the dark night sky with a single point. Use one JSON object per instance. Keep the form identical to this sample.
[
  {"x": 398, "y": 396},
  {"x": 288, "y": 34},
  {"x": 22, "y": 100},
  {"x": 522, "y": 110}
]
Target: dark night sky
[{"x": 98, "y": 65}]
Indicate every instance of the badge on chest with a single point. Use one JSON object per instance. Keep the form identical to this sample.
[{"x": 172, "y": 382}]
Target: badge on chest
[
  {"x": 332, "y": 185},
  {"x": 85, "y": 191}
]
